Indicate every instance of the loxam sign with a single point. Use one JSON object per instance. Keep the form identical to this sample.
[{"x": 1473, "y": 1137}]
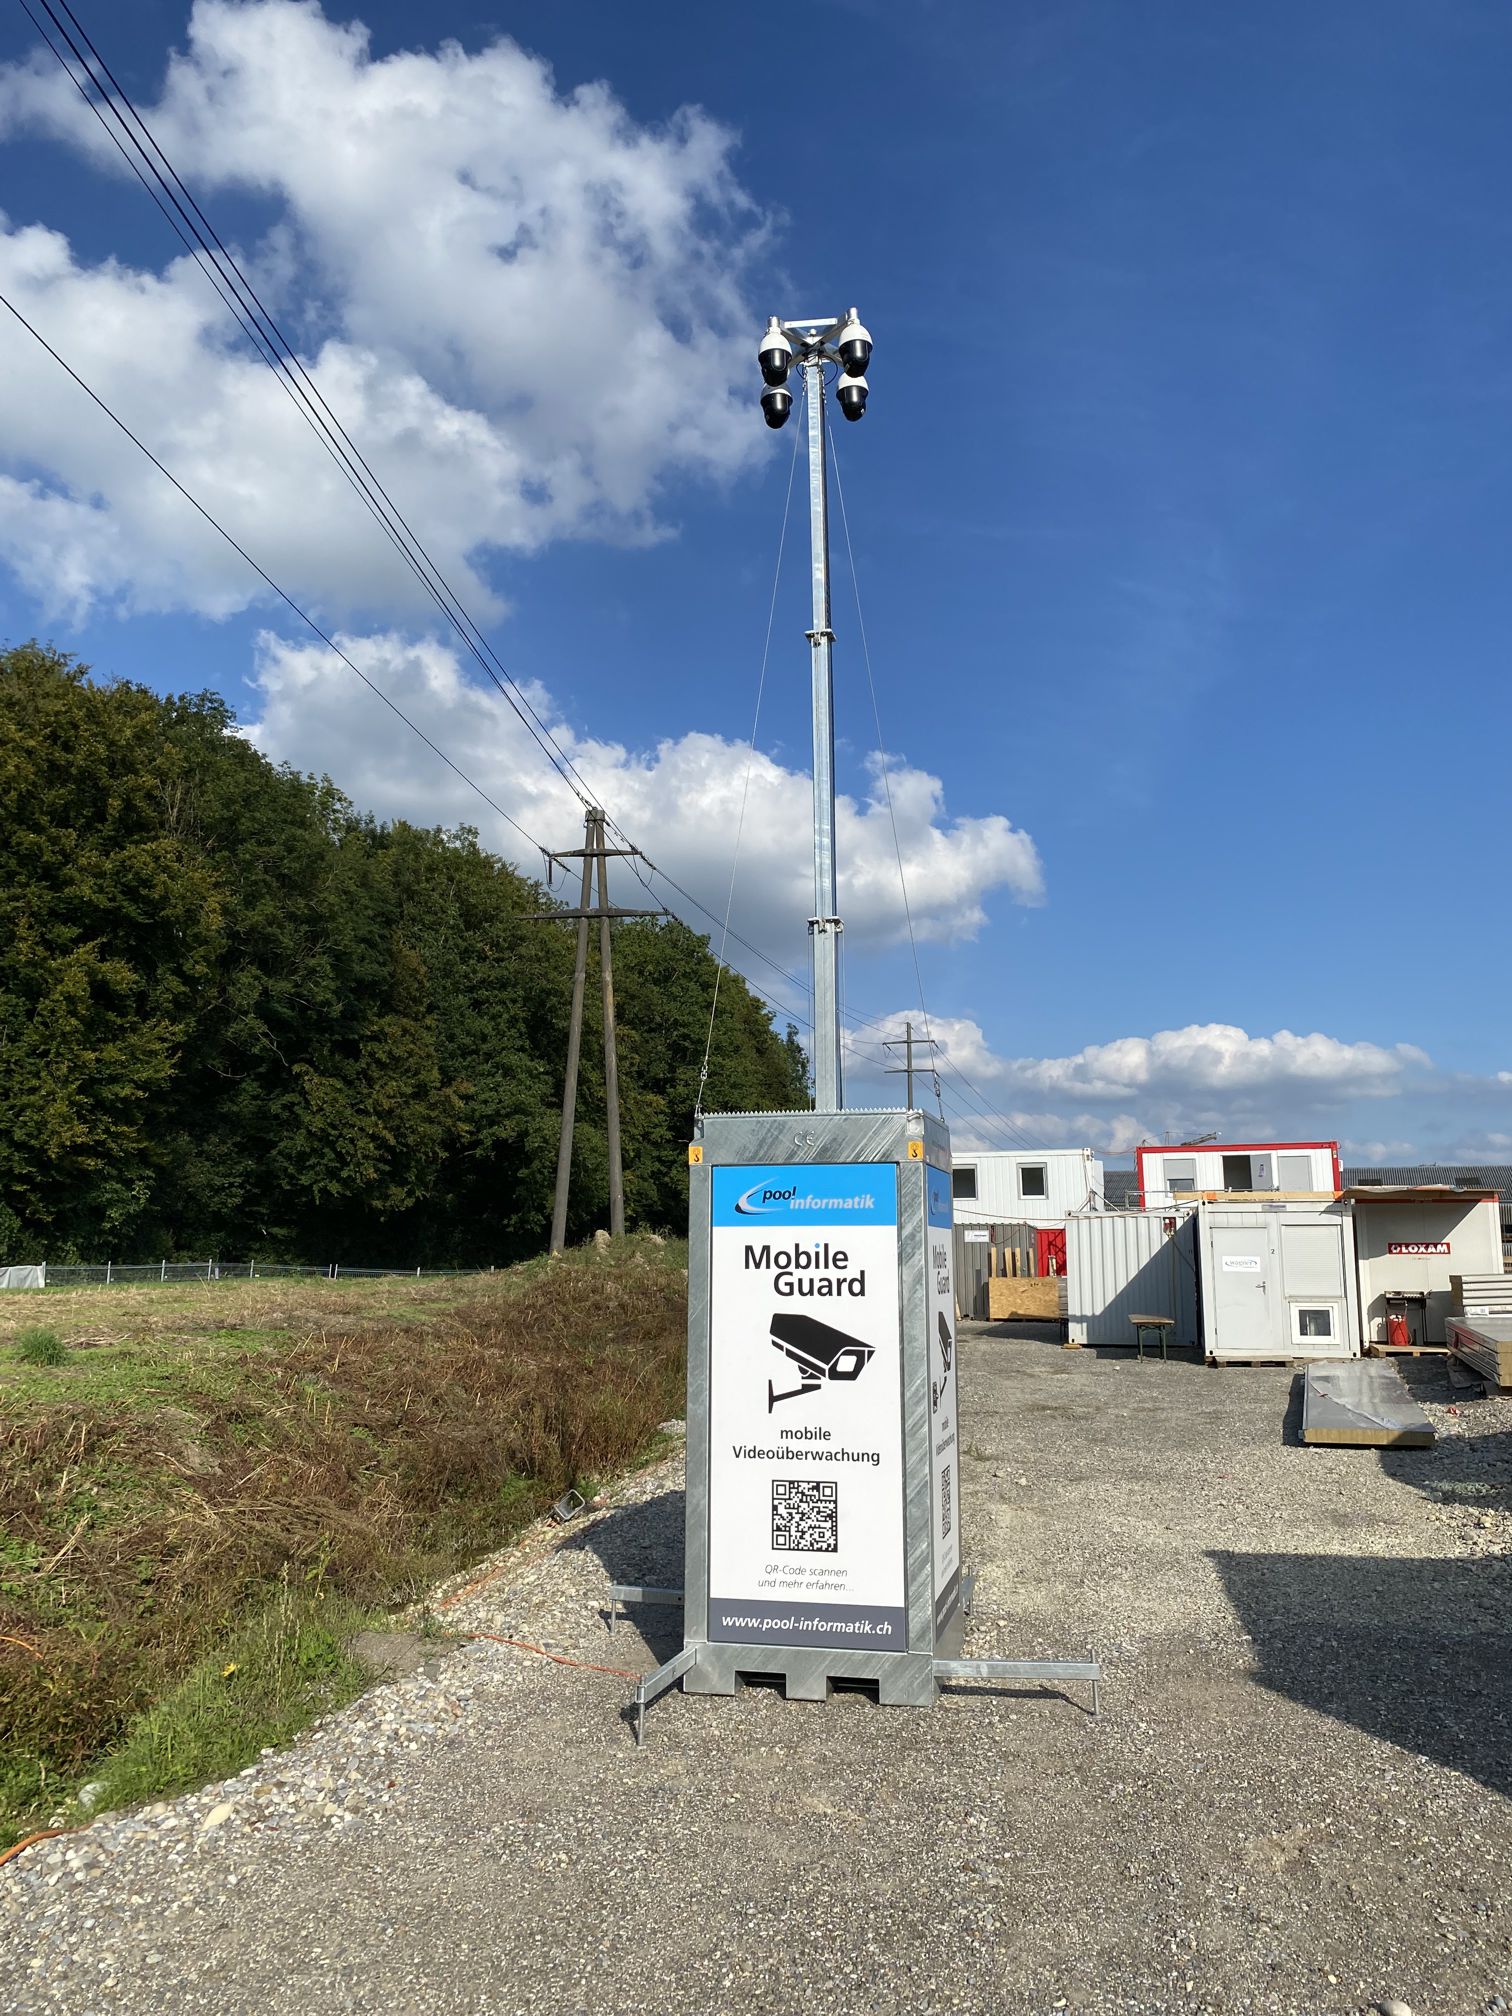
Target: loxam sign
[{"x": 1408, "y": 1246}]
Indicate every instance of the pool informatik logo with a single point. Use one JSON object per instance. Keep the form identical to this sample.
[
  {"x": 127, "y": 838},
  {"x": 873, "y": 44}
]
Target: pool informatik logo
[
  {"x": 764, "y": 1198},
  {"x": 774, "y": 1196}
]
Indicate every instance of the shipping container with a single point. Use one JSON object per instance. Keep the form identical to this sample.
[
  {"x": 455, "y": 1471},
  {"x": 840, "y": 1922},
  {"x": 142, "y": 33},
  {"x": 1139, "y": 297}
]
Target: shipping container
[{"x": 1122, "y": 1264}]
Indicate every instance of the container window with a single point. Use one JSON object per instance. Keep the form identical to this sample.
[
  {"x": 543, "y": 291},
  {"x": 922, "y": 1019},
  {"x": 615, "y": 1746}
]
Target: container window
[
  {"x": 963, "y": 1182},
  {"x": 1294, "y": 1172},
  {"x": 1237, "y": 1173},
  {"x": 1032, "y": 1179},
  {"x": 1181, "y": 1175},
  {"x": 1314, "y": 1324}
]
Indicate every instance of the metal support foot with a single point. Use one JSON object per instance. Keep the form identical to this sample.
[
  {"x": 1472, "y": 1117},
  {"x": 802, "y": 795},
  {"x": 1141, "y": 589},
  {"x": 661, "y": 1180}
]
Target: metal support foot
[
  {"x": 632, "y": 1592},
  {"x": 1037, "y": 1670},
  {"x": 653, "y": 1684}
]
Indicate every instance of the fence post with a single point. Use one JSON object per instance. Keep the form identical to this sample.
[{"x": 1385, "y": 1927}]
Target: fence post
[
  {"x": 163, "y": 1271},
  {"x": 107, "y": 1273},
  {"x": 251, "y": 1264}
]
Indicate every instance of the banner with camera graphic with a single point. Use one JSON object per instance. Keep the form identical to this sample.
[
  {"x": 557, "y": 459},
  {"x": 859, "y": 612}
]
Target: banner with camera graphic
[{"x": 805, "y": 1421}]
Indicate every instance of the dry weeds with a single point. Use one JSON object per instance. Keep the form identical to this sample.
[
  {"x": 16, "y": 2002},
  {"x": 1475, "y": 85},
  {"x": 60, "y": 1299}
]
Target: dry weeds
[{"x": 395, "y": 1433}]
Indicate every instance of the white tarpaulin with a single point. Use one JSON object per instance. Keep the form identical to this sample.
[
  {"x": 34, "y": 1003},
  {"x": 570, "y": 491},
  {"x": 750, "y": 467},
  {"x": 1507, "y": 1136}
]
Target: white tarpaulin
[{"x": 24, "y": 1277}]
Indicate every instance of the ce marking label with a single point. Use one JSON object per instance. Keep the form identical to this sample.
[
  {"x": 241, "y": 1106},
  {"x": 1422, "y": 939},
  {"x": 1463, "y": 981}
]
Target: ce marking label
[{"x": 803, "y": 1141}]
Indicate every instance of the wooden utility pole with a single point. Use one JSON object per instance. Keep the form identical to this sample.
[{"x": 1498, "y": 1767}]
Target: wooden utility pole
[{"x": 594, "y": 850}]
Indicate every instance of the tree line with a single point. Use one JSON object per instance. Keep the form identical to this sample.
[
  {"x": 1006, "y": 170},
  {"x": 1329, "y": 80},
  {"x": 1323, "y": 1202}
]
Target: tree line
[{"x": 238, "y": 1016}]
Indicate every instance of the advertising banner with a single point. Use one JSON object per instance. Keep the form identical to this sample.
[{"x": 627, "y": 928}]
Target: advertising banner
[
  {"x": 939, "y": 1264},
  {"x": 805, "y": 1407}
]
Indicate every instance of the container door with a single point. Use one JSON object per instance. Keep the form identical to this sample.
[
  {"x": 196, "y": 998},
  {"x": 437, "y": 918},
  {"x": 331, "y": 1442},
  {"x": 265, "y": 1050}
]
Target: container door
[
  {"x": 1240, "y": 1323},
  {"x": 1312, "y": 1277},
  {"x": 1050, "y": 1241}
]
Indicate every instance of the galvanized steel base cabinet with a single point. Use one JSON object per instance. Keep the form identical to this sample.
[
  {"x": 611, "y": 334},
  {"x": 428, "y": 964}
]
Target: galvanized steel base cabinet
[{"x": 822, "y": 1539}]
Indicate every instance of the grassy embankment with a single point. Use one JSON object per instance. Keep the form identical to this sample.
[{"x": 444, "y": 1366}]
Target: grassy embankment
[{"x": 220, "y": 1482}]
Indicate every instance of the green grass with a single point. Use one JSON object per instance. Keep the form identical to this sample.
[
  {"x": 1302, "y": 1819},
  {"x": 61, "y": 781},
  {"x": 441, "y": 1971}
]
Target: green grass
[
  {"x": 241, "y": 1483},
  {"x": 263, "y": 1684},
  {"x": 36, "y": 1346},
  {"x": 138, "y": 1371}
]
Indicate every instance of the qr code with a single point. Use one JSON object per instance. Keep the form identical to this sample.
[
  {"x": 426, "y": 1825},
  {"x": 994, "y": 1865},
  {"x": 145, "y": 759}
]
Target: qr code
[
  {"x": 945, "y": 1501},
  {"x": 805, "y": 1516}
]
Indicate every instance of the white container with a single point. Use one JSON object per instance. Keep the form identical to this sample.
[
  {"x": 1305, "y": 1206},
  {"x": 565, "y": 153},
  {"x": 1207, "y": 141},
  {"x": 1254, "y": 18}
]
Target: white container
[
  {"x": 1122, "y": 1264},
  {"x": 1295, "y": 1168},
  {"x": 1041, "y": 1186},
  {"x": 1278, "y": 1281}
]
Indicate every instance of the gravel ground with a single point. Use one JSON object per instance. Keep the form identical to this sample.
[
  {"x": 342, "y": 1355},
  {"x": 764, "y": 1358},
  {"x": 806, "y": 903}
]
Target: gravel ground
[{"x": 1296, "y": 1799}]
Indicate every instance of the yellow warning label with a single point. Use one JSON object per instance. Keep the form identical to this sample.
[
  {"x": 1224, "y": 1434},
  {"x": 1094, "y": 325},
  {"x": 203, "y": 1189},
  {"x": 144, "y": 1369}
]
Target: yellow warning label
[
  {"x": 695, "y": 1152},
  {"x": 916, "y": 1151}
]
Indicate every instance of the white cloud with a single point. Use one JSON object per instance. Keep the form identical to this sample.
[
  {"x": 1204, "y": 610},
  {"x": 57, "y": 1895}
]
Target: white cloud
[
  {"x": 1377, "y": 1151},
  {"x": 1216, "y": 1057},
  {"x": 1113, "y": 1096},
  {"x": 680, "y": 801},
  {"x": 527, "y": 314}
]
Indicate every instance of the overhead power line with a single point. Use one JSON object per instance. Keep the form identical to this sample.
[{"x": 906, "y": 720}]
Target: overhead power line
[
  {"x": 882, "y": 756},
  {"x": 111, "y": 104},
  {"x": 108, "y": 100},
  {"x": 262, "y": 573},
  {"x": 983, "y": 1112}
]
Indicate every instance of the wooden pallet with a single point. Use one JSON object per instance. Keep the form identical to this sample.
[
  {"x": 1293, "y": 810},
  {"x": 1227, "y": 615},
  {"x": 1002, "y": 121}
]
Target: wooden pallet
[
  {"x": 1406, "y": 1350},
  {"x": 1251, "y": 1364}
]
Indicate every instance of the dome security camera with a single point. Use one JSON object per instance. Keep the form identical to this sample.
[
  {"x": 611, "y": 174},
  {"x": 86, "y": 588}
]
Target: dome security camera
[
  {"x": 776, "y": 404},
  {"x": 775, "y": 354},
  {"x": 851, "y": 392},
  {"x": 854, "y": 345}
]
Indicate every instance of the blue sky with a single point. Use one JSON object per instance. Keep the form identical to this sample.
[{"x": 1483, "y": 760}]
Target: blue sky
[{"x": 1179, "y": 508}]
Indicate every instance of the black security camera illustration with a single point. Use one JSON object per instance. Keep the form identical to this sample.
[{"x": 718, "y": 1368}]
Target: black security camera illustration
[
  {"x": 819, "y": 1351},
  {"x": 947, "y": 1352}
]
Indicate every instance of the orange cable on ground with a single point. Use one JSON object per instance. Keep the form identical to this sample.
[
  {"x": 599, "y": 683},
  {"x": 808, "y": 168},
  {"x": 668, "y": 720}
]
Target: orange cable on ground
[
  {"x": 6, "y": 1639},
  {"x": 583, "y": 1665},
  {"x": 46, "y": 1834}
]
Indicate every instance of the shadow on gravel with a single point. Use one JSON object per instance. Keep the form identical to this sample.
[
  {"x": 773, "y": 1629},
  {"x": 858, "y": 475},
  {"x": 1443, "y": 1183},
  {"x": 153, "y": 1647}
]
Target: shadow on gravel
[
  {"x": 1291, "y": 1420},
  {"x": 1470, "y": 1470},
  {"x": 642, "y": 1543},
  {"x": 1415, "y": 1652}
]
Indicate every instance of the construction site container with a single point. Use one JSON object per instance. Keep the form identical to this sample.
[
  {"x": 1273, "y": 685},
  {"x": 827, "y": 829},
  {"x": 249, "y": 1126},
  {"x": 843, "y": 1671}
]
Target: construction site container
[
  {"x": 1409, "y": 1242},
  {"x": 1214, "y": 1169},
  {"x": 1040, "y": 1186},
  {"x": 1122, "y": 1264},
  {"x": 1278, "y": 1281}
]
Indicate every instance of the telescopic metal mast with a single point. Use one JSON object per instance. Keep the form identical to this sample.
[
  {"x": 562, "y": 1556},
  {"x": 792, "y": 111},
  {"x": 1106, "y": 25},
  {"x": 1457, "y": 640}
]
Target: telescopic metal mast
[{"x": 814, "y": 346}]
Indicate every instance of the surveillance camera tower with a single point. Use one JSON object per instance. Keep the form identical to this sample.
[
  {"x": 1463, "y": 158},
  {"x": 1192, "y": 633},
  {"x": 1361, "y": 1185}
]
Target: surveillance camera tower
[
  {"x": 841, "y": 345},
  {"x": 822, "y": 1538}
]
